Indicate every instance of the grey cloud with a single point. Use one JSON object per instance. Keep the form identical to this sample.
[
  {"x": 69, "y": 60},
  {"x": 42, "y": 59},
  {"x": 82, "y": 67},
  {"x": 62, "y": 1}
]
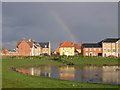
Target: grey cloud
[{"x": 90, "y": 22}]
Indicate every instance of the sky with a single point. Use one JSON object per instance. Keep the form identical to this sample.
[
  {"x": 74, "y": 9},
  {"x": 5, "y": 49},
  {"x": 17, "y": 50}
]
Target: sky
[{"x": 57, "y": 22}]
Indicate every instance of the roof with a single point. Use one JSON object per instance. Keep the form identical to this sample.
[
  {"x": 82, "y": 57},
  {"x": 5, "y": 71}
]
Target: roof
[
  {"x": 28, "y": 42},
  {"x": 110, "y": 40},
  {"x": 91, "y": 45},
  {"x": 57, "y": 50},
  {"x": 5, "y": 51},
  {"x": 67, "y": 44},
  {"x": 42, "y": 44},
  {"x": 77, "y": 46}
]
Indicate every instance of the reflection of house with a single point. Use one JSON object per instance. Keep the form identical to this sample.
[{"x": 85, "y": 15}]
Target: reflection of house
[
  {"x": 111, "y": 46},
  {"x": 67, "y": 73},
  {"x": 92, "y": 73},
  {"x": 31, "y": 48},
  {"x": 45, "y": 71},
  {"x": 40, "y": 72},
  {"x": 67, "y": 48},
  {"x": 91, "y": 49},
  {"x": 110, "y": 74}
]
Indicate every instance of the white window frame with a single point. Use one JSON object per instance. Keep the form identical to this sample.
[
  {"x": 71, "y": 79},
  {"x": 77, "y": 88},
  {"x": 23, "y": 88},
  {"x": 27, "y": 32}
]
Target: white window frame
[
  {"x": 90, "y": 49},
  {"x": 86, "y": 49}
]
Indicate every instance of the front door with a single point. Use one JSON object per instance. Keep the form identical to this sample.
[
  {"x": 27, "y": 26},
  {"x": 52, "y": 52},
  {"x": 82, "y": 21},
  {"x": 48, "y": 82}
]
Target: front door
[
  {"x": 90, "y": 53},
  {"x": 66, "y": 53}
]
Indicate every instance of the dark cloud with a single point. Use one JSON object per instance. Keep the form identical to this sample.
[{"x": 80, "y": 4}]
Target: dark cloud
[{"x": 90, "y": 22}]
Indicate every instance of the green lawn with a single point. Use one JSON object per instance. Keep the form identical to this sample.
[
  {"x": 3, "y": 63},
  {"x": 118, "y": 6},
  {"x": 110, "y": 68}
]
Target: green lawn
[
  {"x": 12, "y": 79},
  {"x": 93, "y": 60}
]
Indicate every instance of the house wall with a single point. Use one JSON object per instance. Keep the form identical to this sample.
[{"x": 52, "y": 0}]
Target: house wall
[
  {"x": 37, "y": 51},
  {"x": 24, "y": 49},
  {"x": 67, "y": 51},
  {"x": 118, "y": 48},
  {"x": 110, "y": 49},
  {"x": 91, "y": 51},
  {"x": 45, "y": 50}
]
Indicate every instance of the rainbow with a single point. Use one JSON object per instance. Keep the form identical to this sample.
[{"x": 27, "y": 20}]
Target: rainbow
[{"x": 65, "y": 26}]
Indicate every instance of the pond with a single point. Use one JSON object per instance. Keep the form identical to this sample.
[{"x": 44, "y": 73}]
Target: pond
[{"x": 90, "y": 74}]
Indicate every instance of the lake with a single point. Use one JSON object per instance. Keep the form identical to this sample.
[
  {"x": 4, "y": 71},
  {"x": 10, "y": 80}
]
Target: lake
[{"x": 90, "y": 74}]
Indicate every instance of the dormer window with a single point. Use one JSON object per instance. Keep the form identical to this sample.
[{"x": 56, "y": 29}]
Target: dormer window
[{"x": 45, "y": 46}]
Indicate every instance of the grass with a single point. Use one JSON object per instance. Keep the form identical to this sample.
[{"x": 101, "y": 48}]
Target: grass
[
  {"x": 93, "y": 60},
  {"x": 12, "y": 79}
]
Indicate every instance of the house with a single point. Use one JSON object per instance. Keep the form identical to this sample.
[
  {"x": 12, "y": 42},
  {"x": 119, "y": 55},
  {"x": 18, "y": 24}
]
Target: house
[
  {"x": 45, "y": 47},
  {"x": 67, "y": 48},
  {"x": 31, "y": 48},
  {"x": 57, "y": 51},
  {"x": 111, "y": 47},
  {"x": 91, "y": 49},
  {"x": 6, "y": 52},
  {"x": 25, "y": 48}
]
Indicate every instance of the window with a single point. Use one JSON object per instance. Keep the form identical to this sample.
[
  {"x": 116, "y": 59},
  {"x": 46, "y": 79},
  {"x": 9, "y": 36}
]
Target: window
[
  {"x": 104, "y": 49},
  {"x": 71, "y": 48},
  {"x": 108, "y": 50},
  {"x": 63, "y": 48},
  {"x": 104, "y": 43},
  {"x": 86, "y": 49},
  {"x": 94, "y": 53},
  {"x": 119, "y": 50},
  {"x": 113, "y": 50},
  {"x": 94, "y": 49},
  {"x": 90, "y": 49},
  {"x": 45, "y": 46},
  {"x": 86, "y": 54},
  {"x": 118, "y": 44},
  {"x": 70, "y": 52}
]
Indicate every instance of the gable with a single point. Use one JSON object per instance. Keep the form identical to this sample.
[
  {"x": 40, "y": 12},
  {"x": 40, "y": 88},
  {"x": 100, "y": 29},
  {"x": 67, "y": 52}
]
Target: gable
[{"x": 24, "y": 44}]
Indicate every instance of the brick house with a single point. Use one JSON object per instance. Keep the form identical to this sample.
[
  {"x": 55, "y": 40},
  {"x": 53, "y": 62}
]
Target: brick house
[
  {"x": 67, "y": 48},
  {"x": 31, "y": 48},
  {"x": 91, "y": 49}
]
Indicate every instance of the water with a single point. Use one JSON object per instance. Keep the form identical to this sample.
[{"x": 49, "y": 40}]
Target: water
[{"x": 91, "y": 74}]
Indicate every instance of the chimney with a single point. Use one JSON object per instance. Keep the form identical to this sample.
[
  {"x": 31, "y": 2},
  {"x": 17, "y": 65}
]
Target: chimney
[
  {"x": 24, "y": 39},
  {"x": 29, "y": 40}
]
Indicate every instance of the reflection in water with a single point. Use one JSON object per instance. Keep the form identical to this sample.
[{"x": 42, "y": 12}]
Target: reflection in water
[
  {"x": 92, "y": 74},
  {"x": 110, "y": 74},
  {"x": 67, "y": 72}
]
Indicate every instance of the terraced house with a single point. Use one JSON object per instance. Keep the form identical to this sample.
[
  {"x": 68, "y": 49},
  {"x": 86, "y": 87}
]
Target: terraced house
[
  {"x": 31, "y": 48},
  {"x": 111, "y": 47},
  {"x": 91, "y": 49},
  {"x": 67, "y": 48}
]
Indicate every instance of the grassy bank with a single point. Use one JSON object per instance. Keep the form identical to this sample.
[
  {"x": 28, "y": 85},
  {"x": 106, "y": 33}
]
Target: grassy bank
[
  {"x": 93, "y": 60},
  {"x": 12, "y": 79}
]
